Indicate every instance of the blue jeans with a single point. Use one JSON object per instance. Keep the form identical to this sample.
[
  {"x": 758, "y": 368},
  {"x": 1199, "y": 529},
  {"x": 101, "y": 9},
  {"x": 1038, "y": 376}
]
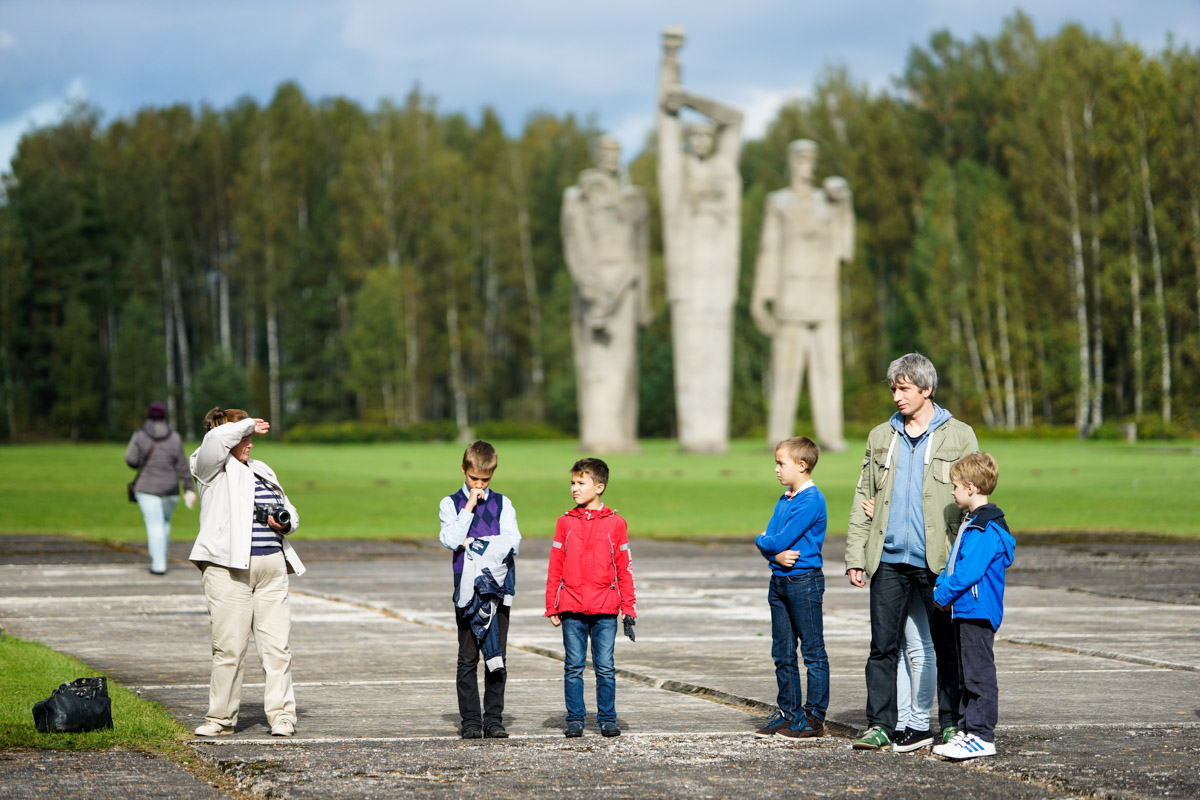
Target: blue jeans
[
  {"x": 892, "y": 588},
  {"x": 915, "y": 679},
  {"x": 602, "y": 629},
  {"x": 156, "y": 511},
  {"x": 796, "y": 602}
]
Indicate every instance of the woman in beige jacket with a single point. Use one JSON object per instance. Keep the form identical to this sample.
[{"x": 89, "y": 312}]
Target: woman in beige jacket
[{"x": 244, "y": 557}]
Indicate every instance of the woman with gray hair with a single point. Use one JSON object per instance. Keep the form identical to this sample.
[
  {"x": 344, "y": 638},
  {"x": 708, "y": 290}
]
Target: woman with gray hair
[
  {"x": 156, "y": 452},
  {"x": 244, "y": 558}
]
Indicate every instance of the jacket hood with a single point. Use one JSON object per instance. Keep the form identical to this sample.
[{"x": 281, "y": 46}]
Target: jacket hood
[
  {"x": 988, "y": 513},
  {"x": 597, "y": 513},
  {"x": 940, "y": 417},
  {"x": 157, "y": 429}
]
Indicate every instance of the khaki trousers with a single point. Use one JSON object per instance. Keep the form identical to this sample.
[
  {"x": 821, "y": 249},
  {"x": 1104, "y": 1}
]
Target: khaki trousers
[{"x": 241, "y": 600}]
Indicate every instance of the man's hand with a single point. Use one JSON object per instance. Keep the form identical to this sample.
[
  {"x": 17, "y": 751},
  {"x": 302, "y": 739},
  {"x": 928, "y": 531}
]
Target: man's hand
[
  {"x": 555, "y": 620},
  {"x": 787, "y": 559},
  {"x": 856, "y": 578}
]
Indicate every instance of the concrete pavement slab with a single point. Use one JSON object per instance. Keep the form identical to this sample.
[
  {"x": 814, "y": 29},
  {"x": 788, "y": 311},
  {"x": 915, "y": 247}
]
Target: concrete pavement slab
[{"x": 1099, "y": 693}]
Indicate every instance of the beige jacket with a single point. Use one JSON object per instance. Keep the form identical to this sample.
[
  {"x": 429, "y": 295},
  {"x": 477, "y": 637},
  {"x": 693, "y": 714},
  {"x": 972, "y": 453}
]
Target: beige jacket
[
  {"x": 227, "y": 500},
  {"x": 865, "y": 535}
]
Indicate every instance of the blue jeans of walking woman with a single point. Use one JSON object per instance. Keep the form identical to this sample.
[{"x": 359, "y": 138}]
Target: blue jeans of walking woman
[
  {"x": 156, "y": 511},
  {"x": 796, "y": 606},
  {"x": 602, "y": 630}
]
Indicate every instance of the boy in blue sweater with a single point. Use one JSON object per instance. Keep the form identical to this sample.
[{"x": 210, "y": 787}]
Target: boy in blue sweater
[
  {"x": 972, "y": 586},
  {"x": 792, "y": 545}
]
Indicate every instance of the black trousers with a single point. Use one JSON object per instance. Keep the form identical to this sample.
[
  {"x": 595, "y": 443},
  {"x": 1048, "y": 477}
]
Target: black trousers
[
  {"x": 891, "y": 587},
  {"x": 980, "y": 702},
  {"x": 468, "y": 683}
]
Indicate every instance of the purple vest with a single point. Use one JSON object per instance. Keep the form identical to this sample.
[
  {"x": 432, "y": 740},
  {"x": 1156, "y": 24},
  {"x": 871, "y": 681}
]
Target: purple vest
[{"x": 485, "y": 523}]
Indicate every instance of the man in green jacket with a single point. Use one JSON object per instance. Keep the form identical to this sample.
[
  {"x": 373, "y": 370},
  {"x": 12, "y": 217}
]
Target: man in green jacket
[{"x": 904, "y": 544}]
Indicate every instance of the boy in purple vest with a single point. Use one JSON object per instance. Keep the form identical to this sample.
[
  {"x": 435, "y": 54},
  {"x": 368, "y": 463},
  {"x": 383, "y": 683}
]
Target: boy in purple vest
[{"x": 480, "y": 527}]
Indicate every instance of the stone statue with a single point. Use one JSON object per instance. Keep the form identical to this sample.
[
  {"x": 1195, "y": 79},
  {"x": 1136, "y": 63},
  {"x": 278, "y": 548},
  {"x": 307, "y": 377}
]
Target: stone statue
[
  {"x": 701, "y": 198},
  {"x": 606, "y": 243},
  {"x": 807, "y": 233}
]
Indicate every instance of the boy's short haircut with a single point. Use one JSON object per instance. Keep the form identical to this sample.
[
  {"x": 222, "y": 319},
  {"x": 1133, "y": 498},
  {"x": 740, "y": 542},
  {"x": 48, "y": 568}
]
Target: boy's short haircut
[
  {"x": 480, "y": 456},
  {"x": 801, "y": 448},
  {"x": 915, "y": 368},
  {"x": 977, "y": 468},
  {"x": 592, "y": 467}
]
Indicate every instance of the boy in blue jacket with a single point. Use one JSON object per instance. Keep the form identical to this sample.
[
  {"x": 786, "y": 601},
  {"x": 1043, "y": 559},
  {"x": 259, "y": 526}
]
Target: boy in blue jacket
[
  {"x": 972, "y": 586},
  {"x": 792, "y": 545}
]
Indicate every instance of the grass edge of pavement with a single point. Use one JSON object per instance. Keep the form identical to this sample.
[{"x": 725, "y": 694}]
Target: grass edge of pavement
[{"x": 30, "y": 671}]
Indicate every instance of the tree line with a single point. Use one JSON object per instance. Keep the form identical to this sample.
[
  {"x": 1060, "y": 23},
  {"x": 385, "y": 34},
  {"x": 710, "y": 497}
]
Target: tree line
[{"x": 1028, "y": 216}]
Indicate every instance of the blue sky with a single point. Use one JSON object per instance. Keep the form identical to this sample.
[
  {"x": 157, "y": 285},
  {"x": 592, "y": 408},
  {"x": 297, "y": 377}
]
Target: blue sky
[{"x": 596, "y": 59}]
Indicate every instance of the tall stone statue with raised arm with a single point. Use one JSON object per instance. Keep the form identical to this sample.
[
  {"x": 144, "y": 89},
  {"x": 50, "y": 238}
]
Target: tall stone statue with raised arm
[
  {"x": 606, "y": 242},
  {"x": 701, "y": 199},
  {"x": 807, "y": 233}
]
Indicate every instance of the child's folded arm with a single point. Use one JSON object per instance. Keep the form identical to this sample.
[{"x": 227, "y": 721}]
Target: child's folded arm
[
  {"x": 454, "y": 524},
  {"x": 975, "y": 554}
]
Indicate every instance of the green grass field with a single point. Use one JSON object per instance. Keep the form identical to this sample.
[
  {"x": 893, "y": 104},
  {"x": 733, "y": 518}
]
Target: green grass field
[
  {"x": 30, "y": 671},
  {"x": 393, "y": 490}
]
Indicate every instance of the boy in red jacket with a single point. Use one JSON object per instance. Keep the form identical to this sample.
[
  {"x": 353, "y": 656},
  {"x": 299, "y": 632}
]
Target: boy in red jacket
[{"x": 588, "y": 585}]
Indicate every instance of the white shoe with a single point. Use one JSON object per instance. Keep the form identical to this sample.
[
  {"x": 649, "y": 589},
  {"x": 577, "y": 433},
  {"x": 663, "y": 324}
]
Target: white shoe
[
  {"x": 283, "y": 727},
  {"x": 938, "y": 749},
  {"x": 969, "y": 746},
  {"x": 211, "y": 728}
]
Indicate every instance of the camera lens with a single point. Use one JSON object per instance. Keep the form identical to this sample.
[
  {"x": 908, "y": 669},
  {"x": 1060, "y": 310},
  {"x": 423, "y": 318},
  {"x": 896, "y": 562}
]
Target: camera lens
[{"x": 283, "y": 517}]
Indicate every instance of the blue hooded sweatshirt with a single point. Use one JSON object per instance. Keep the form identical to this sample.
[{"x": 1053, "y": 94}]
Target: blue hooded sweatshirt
[
  {"x": 973, "y": 581},
  {"x": 905, "y": 539}
]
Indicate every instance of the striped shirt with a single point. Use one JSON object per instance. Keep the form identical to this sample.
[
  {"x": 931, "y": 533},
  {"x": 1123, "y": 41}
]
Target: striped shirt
[{"x": 264, "y": 540}]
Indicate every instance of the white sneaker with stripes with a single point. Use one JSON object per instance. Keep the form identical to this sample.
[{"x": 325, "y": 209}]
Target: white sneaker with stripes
[{"x": 963, "y": 746}]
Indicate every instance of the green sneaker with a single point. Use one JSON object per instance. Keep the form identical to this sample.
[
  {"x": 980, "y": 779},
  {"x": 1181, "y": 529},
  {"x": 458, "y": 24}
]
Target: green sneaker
[
  {"x": 875, "y": 738},
  {"x": 948, "y": 733}
]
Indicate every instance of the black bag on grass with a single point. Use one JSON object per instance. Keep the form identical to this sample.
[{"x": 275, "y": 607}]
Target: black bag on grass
[{"x": 75, "y": 707}]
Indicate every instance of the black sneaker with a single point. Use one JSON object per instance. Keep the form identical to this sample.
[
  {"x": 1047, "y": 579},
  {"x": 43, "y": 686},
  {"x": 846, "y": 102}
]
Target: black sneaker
[
  {"x": 574, "y": 730},
  {"x": 494, "y": 731},
  {"x": 609, "y": 729},
  {"x": 471, "y": 731},
  {"x": 910, "y": 739},
  {"x": 772, "y": 726},
  {"x": 810, "y": 728}
]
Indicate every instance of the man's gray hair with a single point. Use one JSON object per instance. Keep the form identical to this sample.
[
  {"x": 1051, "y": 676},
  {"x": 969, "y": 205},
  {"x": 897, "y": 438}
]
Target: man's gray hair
[{"x": 915, "y": 368}]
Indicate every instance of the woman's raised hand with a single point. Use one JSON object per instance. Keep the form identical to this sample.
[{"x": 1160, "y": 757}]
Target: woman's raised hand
[{"x": 261, "y": 425}]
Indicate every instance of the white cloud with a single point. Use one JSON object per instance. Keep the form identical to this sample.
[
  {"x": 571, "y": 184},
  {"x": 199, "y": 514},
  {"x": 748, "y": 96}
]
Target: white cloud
[
  {"x": 45, "y": 113},
  {"x": 7, "y": 40}
]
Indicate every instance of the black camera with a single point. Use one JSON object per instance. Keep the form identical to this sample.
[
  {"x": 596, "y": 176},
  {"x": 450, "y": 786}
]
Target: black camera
[{"x": 281, "y": 514}]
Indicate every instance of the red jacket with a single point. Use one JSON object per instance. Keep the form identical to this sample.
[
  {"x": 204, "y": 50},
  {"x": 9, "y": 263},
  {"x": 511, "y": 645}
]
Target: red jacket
[{"x": 590, "y": 565}]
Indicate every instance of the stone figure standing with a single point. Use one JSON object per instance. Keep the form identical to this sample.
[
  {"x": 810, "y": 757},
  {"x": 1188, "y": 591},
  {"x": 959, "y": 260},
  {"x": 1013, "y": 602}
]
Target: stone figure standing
[
  {"x": 606, "y": 243},
  {"x": 701, "y": 198},
  {"x": 807, "y": 233}
]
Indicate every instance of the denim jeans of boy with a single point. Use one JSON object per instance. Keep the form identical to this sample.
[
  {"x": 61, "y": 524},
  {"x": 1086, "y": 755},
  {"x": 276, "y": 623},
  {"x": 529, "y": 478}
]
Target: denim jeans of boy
[
  {"x": 892, "y": 586},
  {"x": 156, "y": 511},
  {"x": 916, "y": 673},
  {"x": 602, "y": 630},
  {"x": 796, "y": 604}
]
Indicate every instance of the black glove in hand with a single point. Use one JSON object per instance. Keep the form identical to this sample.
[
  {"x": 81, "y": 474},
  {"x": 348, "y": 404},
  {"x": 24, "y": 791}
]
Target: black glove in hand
[{"x": 629, "y": 623}]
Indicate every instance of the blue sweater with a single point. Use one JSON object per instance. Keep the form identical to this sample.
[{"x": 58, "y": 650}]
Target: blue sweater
[
  {"x": 797, "y": 523},
  {"x": 973, "y": 581}
]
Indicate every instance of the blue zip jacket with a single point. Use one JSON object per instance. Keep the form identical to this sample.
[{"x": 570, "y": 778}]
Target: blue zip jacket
[
  {"x": 973, "y": 581},
  {"x": 796, "y": 524},
  {"x": 905, "y": 539}
]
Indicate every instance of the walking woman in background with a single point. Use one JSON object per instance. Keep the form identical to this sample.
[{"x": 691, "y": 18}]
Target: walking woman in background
[
  {"x": 244, "y": 558},
  {"x": 156, "y": 452}
]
